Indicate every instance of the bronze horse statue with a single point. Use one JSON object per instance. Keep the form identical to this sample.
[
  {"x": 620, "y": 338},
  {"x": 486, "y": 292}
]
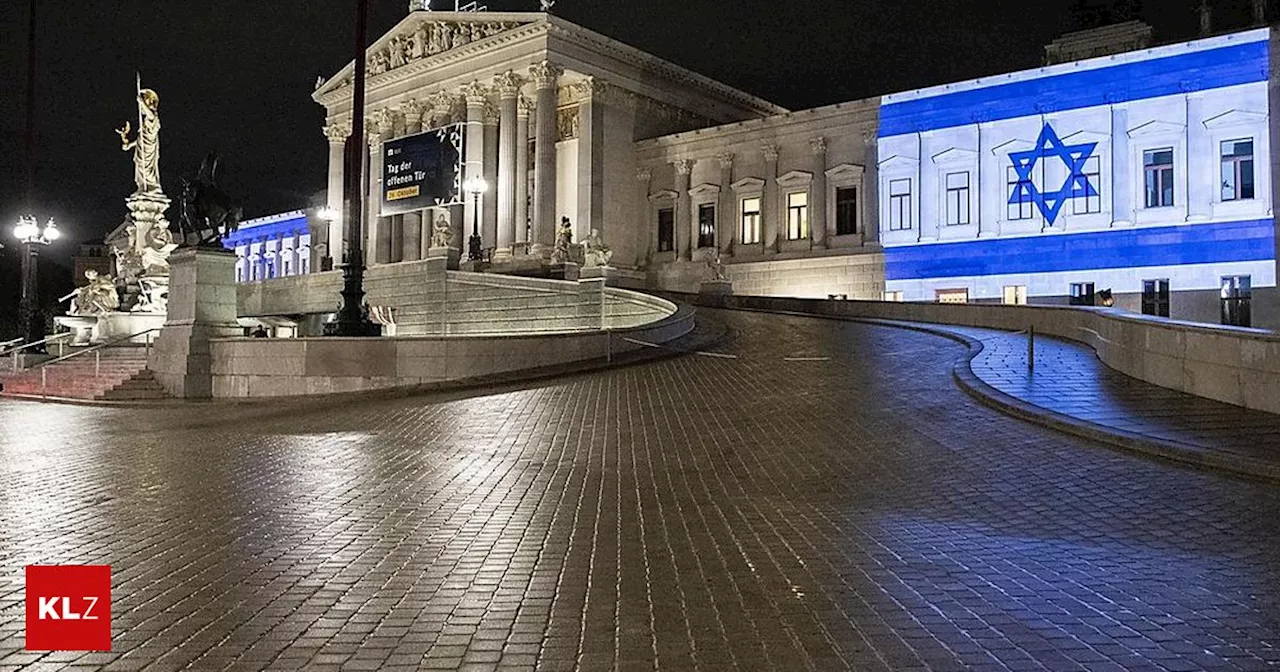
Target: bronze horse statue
[{"x": 208, "y": 214}]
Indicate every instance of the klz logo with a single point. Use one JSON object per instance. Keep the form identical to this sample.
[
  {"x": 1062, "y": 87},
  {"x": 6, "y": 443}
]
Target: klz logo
[{"x": 69, "y": 608}]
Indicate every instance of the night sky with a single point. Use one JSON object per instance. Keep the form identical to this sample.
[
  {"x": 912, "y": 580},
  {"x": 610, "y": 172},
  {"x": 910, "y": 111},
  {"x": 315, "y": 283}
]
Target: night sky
[{"x": 237, "y": 75}]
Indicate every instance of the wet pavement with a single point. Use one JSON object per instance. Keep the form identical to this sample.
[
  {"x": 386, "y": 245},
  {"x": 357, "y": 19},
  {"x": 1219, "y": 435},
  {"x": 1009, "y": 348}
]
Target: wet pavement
[{"x": 825, "y": 499}]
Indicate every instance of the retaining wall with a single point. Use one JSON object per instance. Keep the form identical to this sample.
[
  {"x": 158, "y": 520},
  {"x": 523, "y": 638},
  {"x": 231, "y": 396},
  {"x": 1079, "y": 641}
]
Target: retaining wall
[{"x": 1231, "y": 364}]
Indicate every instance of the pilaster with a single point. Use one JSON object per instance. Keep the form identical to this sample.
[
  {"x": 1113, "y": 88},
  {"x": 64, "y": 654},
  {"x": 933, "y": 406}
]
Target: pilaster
[
  {"x": 769, "y": 199},
  {"x": 818, "y": 193},
  {"x": 682, "y": 243}
]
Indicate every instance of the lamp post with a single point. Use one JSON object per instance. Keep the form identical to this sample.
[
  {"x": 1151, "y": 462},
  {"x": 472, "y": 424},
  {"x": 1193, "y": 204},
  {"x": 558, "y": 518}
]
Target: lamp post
[
  {"x": 329, "y": 215},
  {"x": 33, "y": 237},
  {"x": 475, "y": 185}
]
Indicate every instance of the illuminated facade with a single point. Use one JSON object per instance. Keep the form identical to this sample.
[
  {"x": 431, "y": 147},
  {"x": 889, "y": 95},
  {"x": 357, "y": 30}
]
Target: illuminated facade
[
  {"x": 1145, "y": 173},
  {"x": 272, "y": 247}
]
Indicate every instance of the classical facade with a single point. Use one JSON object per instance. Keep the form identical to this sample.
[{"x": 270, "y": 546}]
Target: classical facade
[
  {"x": 272, "y": 247},
  {"x": 1143, "y": 175}
]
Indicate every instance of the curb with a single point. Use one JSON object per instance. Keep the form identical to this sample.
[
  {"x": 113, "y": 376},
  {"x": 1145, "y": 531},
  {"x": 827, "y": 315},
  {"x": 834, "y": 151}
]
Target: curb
[{"x": 1170, "y": 451}]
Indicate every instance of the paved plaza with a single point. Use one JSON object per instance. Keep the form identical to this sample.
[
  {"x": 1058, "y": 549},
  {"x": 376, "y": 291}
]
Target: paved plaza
[{"x": 824, "y": 499}]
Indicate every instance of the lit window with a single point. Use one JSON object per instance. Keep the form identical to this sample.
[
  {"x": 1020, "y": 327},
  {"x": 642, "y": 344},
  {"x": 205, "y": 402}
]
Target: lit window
[
  {"x": 899, "y": 205},
  {"x": 1086, "y": 205},
  {"x": 1237, "y": 170},
  {"x": 1015, "y": 295},
  {"x": 751, "y": 220},
  {"x": 1081, "y": 294},
  {"x": 1158, "y": 168},
  {"x": 798, "y": 215},
  {"x": 957, "y": 198},
  {"x": 1019, "y": 202},
  {"x": 893, "y": 296},
  {"x": 1155, "y": 297},
  {"x": 706, "y": 225},
  {"x": 846, "y": 211},
  {"x": 1237, "y": 300}
]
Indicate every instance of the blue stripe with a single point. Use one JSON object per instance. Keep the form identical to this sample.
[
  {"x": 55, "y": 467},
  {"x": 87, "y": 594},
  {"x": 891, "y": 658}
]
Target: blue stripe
[
  {"x": 1123, "y": 248},
  {"x": 286, "y": 228},
  {"x": 1196, "y": 71}
]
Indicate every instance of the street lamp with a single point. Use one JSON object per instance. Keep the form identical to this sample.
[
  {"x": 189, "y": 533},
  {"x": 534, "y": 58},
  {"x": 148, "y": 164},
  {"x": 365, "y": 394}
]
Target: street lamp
[
  {"x": 33, "y": 237},
  {"x": 475, "y": 185}
]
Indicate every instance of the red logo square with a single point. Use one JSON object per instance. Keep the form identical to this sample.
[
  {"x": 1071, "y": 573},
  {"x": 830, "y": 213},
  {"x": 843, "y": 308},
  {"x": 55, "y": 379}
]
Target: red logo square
[{"x": 68, "y": 608}]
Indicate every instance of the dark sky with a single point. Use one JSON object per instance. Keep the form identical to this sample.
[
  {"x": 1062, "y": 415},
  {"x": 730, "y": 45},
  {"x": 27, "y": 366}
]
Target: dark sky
[{"x": 236, "y": 75}]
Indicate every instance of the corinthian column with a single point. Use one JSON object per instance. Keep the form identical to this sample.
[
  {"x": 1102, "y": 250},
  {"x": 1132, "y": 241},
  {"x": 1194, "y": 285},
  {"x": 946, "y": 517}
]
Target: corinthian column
[
  {"x": 523, "y": 109},
  {"x": 545, "y": 76},
  {"x": 726, "y": 209},
  {"x": 769, "y": 205},
  {"x": 646, "y": 231},
  {"x": 683, "y": 217},
  {"x": 473, "y": 151},
  {"x": 508, "y": 87},
  {"x": 337, "y": 248},
  {"x": 818, "y": 193}
]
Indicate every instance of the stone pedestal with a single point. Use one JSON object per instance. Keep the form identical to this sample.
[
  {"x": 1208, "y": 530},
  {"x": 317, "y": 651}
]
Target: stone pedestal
[
  {"x": 82, "y": 326},
  {"x": 607, "y": 273},
  {"x": 451, "y": 255},
  {"x": 716, "y": 288},
  {"x": 202, "y": 306}
]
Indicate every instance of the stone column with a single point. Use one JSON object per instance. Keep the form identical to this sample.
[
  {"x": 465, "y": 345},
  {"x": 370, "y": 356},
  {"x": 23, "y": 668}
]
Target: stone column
[
  {"x": 590, "y": 93},
  {"x": 523, "y": 108},
  {"x": 412, "y": 111},
  {"x": 379, "y": 227},
  {"x": 683, "y": 216},
  {"x": 508, "y": 87},
  {"x": 397, "y": 239},
  {"x": 473, "y": 154},
  {"x": 871, "y": 187},
  {"x": 769, "y": 205},
  {"x": 646, "y": 232},
  {"x": 818, "y": 193},
  {"x": 337, "y": 135},
  {"x": 489, "y": 199},
  {"x": 1121, "y": 198},
  {"x": 726, "y": 209},
  {"x": 545, "y": 76},
  {"x": 411, "y": 245}
]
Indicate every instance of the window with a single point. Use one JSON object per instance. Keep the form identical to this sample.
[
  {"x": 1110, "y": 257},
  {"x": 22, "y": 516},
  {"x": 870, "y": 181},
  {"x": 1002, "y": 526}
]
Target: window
[
  {"x": 1155, "y": 297},
  {"x": 706, "y": 225},
  {"x": 798, "y": 215},
  {"x": 899, "y": 205},
  {"x": 1019, "y": 203},
  {"x": 893, "y": 296},
  {"x": 1237, "y": 300},
  {"x": 957, "y": 198},
  {"x": 1087, "y": 205},
  {"x": 666, "y": 229},
  {"x": 1015, "y": 295},
  {"x": 1158, "y": 167},
  {"x": 1237, "y": 170},
  {"x": 1081, "y": 294},
  {"x": 952, "y": 295},
  {"x": 846, "y": 211},
  {"x": 751, "y": 220}
]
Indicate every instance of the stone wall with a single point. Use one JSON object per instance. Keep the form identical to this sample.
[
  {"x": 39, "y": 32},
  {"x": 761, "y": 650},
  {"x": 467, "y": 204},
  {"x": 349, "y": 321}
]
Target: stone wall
[
  {"x": 249, "y": 368},
  {"x": 859, "y": 276},
  {"x": 1229, "y": 364}
]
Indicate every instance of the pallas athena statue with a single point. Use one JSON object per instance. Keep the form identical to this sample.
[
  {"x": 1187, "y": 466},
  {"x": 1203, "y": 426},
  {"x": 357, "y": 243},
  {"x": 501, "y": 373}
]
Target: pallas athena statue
[{"x": 146, "y": 145}]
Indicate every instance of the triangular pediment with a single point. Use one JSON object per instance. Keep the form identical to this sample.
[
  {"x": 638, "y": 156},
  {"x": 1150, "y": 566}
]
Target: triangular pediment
[
  {"x": 1235, "y": 118},
  {"x": 795, "y": 178},
  {"x": 426, "y": 35},
  {"x": 663, "y": 194},
  {"x": 954, "y": 155},
  {"x": 748, "y": 184},
  {"x": 1013, "y": 145},
  {"x": 899, "y": 160},
  {"x": 845, "y": 170},
  {"x": 705, "y": 189},
  {"x": 1083, "y": 136},
  {"x": 1156, "y": 127}
]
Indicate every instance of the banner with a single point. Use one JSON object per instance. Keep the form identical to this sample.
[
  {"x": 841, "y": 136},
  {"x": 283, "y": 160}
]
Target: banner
[{"x": 423, "y": 170}]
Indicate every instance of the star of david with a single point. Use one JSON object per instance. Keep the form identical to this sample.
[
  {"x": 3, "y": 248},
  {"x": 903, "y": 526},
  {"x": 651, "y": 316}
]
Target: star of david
[{"x": 1076, "y": 185}]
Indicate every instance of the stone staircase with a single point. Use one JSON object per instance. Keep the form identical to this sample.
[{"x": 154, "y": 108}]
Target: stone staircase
[{"x": 114, "y": 374}]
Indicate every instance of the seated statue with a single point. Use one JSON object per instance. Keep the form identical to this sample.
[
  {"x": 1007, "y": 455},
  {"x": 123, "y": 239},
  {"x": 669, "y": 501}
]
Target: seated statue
[
  {"x": 97, "y": 297},
  {"x": 441, "y": 233},
  {"x": 564, "y": 238},
  {"x": 595, "y": 252}
]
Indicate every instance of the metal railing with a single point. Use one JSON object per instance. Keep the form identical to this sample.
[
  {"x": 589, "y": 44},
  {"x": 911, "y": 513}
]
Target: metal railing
[
  {"x": 14, "y": 352},
  {"x": 97, "y": 355}
]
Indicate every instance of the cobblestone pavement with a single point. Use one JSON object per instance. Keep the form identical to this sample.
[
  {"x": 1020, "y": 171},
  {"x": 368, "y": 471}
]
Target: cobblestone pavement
[{"x": 692, "y": 513}]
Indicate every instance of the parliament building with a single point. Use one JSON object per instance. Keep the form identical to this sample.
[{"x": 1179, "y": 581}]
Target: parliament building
[{"x": 1120, "y": 171}]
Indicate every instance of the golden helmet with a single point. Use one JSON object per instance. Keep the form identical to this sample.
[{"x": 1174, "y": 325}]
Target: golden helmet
[{"x": 151, "y": 98}]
